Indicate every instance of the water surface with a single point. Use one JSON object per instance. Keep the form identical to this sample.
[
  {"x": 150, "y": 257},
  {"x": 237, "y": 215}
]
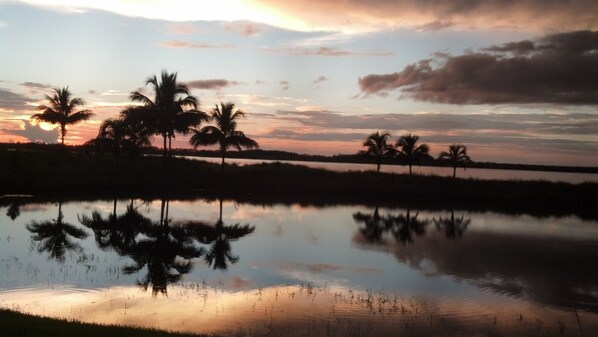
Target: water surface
[{"x": 210, "y": 266}]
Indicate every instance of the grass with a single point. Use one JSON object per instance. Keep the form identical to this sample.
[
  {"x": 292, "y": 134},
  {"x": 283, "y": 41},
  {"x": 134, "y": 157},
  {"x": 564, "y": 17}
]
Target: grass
[
  {"x": 15, "y": 324},
  {"x": 59, "y": 174}
]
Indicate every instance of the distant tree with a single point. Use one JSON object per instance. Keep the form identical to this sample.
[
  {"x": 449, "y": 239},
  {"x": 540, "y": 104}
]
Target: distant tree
[
  {"x": 457, "y": 155},
  {"x": 128, "y": 132},
  {"x": 378, "y": 148},
  {"x": 411, "y": 151},
  {"x": 61, "y": 110},
  {"x": 166, "y": 111},
  {"x": 225, "y": 132}
]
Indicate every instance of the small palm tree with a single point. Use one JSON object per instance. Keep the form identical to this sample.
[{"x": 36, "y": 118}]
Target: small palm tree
[
  {"x": 129, "y": 132},
  {"x": 166, "y": 111},
  {"x": 61, "y": 110},
  {"x": 378, "y": 148},
  {"x": 225, "y": 132},
  {"x": 457, "y": 155},
  {"x": 410, "y": 150}
]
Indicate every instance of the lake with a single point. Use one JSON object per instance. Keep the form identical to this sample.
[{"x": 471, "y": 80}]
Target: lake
[
  {"x": 298, "y": 270},
  {"x": 476, "y": 173}
]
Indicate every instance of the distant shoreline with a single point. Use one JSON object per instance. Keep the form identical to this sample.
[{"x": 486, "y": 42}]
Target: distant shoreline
[{"x": 274, "y": 155}]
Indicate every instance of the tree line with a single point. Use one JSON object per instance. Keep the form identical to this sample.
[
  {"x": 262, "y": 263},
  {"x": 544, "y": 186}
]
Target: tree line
[
  {"x": 406, "y": 148},
  {"x": 173, "y": 109}
]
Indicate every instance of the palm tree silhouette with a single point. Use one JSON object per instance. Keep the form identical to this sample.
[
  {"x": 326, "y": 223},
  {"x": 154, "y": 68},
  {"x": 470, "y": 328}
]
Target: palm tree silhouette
[
  {"x": 54, "y": 236},
  {"x": 225, "y": 132},
  {"x": 378, "y": 148},
  {"x": 410, "y": 150},
  {"x": 61, "y": 110},
  {"x": 166, "y": 111},
  {"x": 457, "y": 155},
  {"x": 128, "y": 132},
  {"x": 453, "y": 228}
]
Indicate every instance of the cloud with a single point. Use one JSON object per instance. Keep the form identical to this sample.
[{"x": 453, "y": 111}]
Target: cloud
[
  {"x": 33, "y": 133},
  {"x": 12, "y": 101},
  {"x": 36, "y": 86},
  {"x": 181, "y": 29},
  {"x": 383, "y": 14},
  {"x": 245, "y": 28},
  {"x": 356, "y": 15},
  {"x": 327, "y": 51},
  {"x": 192, "y": 45},
  {"x": 320, "y": 79},
  {"x": 556, "y": 69},
  {"x": 285, "y": 85},
  {"x": 211, "y": 84}
]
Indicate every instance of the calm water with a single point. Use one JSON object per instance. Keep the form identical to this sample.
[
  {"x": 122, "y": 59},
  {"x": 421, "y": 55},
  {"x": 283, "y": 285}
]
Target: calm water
[
  {"x": 568, "y": 177},
  {"x": 206, "y": 266}
]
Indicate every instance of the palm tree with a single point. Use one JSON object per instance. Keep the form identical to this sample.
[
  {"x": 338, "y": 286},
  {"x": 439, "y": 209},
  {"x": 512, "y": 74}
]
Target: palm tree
[
  {"x": 410, "y": 150},
  {"x": 378, "y": 147},
  {"x": 61, "y": 110},
  {"x": 457, "y": 155},
  {"x": 225, "y": 132},
  {"x": 166, "y": 111},
  {"x": 129, "y": 132}
]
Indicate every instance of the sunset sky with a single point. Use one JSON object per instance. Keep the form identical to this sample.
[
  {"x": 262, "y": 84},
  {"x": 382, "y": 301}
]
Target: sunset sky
[{"x": 515, "y": 81}]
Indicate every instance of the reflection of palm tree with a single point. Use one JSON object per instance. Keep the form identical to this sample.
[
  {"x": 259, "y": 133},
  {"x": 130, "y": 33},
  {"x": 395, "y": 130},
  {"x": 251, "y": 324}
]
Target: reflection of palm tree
[
  {"x": 457, "y": 155},
  {"x": 165, "y": 112},
  {"x": 13, "y": 211},
  {"x": 166, "y": 252},
  {"x": 405, "y": 225},
  {"x": 54, "y": 236},
  {"x": 374, "y": 225},
  {"x": 225, "y": 132},
  {"x": 378, "y": 148},
  {"x": 60, "y": 110},
  {"x": 411, "y": 151},
  {"x": 116, "y": 232},
  {"x": 453, "y": 228}
]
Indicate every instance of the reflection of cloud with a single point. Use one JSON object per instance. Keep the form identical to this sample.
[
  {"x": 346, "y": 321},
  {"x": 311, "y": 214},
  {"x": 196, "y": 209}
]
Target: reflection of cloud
[
  {"x": 192, "y": 45},
  {"x": 559, "y": 68},
  {"x": 317, "y": 267},
  {"x": 327, "y": 51},
  {"x": 33, "y": 133},
  {"x": 212, "y": 84},
  {"x": 535, "y": 267}
]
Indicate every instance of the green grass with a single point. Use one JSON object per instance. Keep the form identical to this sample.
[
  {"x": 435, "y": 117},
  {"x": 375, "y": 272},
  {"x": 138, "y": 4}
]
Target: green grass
[
  {"x": 15, "y": 324},
  {"x": 68, "y": 175}
]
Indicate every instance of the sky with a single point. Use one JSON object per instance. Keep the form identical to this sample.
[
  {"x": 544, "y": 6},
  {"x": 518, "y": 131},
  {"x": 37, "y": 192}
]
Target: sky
[{"x": 515, "y": 80}]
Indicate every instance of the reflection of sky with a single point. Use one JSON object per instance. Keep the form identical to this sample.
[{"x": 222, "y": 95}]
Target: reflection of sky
[{"x": 294, "y": 245}]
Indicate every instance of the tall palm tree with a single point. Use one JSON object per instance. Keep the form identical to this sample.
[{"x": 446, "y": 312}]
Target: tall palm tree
[
  {"x": 225, "y": 132},
  {"x": 457, "y": 155},
  {"x": 61, "y": 110},
  {"x": 410, "y": 150},
  {"x": 166, "y": 112},
  {"x": 378, "y": 148}
]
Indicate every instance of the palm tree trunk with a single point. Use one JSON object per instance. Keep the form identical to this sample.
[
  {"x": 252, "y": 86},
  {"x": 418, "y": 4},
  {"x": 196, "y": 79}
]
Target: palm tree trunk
[
  {"x": 165, "y": 149},
  {"x": 222, "y": 164},
  {"x": 62, "y": 133},
  {"x": 220, "y": 199},
  {"x": 378, "y": 167},
  {"x": 410, "y": 169},
  {"x": 162, "y": 213},
  {"x": 454, "y": 171},
  {"x": 170, "y": 146}
]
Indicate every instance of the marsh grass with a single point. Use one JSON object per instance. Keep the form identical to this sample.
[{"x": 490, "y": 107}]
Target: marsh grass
[
  {"x": 15, "y": 324},
  {"x": 68, "y": 174}
]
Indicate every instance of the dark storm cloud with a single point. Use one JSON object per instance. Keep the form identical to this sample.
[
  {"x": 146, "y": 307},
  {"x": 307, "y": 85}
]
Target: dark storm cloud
[{"x": 557, "y": 69}]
